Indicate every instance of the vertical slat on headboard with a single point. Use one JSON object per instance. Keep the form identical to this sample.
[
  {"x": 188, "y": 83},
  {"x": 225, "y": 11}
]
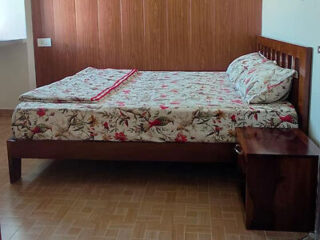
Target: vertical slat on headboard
[
  {"x": 298, "y": 58},
  {"x": 289, "y": 65},
  {"x": 283, "y": 60}
]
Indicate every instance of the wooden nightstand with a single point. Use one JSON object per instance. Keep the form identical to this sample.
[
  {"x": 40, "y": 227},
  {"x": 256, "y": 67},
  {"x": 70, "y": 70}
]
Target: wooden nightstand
[{"x": 280, "y": 167}]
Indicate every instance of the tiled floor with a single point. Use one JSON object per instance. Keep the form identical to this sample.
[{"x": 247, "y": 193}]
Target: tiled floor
[{"x": 114, "y": 201}]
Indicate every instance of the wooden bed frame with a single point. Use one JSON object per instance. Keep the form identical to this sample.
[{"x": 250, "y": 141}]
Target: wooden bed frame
[{"x": 286, "y": 54}]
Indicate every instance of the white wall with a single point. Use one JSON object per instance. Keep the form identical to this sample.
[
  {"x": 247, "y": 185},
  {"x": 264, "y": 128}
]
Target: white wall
[
  {"x": 30, "y": 47},
  {"x": 17, "y": 74},
  {"x": 14, "y": 74},
  {"x": 298, "y": 21}
]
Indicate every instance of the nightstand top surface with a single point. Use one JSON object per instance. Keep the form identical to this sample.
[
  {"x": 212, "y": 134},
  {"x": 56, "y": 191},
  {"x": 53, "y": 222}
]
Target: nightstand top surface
[{"x": 266, "y": 141}]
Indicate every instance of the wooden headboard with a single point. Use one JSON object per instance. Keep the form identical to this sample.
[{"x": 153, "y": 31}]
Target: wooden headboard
[{"x": 295, "y": 57}]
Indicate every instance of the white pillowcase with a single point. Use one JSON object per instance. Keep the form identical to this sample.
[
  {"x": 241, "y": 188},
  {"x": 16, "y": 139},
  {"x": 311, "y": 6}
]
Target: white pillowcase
[
  {"x": 241, "y": 64},
  {"x": 265, "y": 83},
  {"x": 260, "y": 80}
]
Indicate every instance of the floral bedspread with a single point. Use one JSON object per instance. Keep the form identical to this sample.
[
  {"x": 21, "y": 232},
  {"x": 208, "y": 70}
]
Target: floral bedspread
[
  {"x": 89, "y": 85},
  {"x": 156, "y": 107}
]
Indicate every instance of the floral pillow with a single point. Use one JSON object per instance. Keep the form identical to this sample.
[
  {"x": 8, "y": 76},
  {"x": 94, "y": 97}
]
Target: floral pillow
[
  {"x": 265, "y": 83},
  {"x": 241, "y": 64}
]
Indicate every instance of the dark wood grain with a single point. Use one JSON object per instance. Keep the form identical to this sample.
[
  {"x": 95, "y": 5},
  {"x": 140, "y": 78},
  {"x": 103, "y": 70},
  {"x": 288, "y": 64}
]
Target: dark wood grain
[
  {"x": 147, "y": 34},
  {"x": 43, "y": 26},
  {"x": 281, "y": 192},
  {"x": 288, "y": 142},
  {"x": 115, "y": 151},
  {"x": 125, "y": 151},
  {"x": 14, "y": 168},
  {"x": 280, "y": 167}
]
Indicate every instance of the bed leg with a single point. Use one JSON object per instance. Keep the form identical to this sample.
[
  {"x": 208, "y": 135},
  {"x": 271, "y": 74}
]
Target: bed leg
[{"x": 14, "y": 169}]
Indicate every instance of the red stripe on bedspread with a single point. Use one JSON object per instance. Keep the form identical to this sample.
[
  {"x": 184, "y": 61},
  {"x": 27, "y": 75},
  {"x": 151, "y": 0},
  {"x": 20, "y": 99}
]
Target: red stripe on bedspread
[{"x": 116, "y": 84}]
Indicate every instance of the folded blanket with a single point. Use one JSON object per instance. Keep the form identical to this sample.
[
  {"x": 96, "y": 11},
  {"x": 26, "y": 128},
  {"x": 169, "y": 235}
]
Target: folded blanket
[{"x": 88, "y": 86}]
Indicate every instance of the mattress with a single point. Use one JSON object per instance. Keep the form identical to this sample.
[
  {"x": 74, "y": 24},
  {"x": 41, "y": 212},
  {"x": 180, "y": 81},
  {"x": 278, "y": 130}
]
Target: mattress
[{"x": 153, "y": 107}]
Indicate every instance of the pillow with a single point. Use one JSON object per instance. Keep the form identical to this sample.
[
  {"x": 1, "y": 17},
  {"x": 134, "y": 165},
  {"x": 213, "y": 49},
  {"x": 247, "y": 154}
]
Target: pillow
[
  {"x": 265, "y": 83},
  {"x": 241, "y": 64}
]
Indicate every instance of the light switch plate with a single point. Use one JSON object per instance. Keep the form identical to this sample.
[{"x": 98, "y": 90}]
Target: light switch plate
[{"x": 44, "y": 42}]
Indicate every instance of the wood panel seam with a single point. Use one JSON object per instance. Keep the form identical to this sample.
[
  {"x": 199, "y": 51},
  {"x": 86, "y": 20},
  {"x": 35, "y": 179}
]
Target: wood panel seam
[{"x": 192, "y": 35}]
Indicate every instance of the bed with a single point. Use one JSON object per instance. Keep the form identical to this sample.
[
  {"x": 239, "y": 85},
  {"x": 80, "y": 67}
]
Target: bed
[
  {"x": 151, "y": 107},
  {"x": 149, "y": 119}
]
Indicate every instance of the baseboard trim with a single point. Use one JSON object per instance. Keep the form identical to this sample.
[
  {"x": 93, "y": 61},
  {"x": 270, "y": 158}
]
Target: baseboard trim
[{"x": 6, "y": 112}]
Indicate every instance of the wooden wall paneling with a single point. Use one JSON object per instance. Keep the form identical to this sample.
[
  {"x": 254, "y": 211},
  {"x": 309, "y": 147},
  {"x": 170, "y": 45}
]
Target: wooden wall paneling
[
  {"x": 254, "y": 16},
  {"x": 239, "y": 29},
  {"x": 87, "y": 52},
  {"x": 43, "y": 26},
  {"x": 133, "y": 45},
  {"x": 178, "y": 34},
  {"x": 145, "y": 34},
  {"x": 155, "y": 35},
  {"x": 202, "y": 34},
  {"x": 222, "y": 30},
  {"x": 65, "y": 44},
  {"x": 110, "y": 33}
]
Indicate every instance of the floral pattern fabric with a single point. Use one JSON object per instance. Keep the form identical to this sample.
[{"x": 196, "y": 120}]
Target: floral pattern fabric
[
  {"x": 265, "y": 83},
  {"x": 241, "y": 65},
  {"x": 260, "y": 80},
  {"x": 156, "y": 107},
  {"x": 84, "y": 86}
]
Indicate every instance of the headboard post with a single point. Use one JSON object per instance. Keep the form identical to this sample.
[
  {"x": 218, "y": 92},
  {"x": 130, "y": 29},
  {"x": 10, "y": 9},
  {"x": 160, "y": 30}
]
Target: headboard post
[{"x": 295, "y": 57}]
